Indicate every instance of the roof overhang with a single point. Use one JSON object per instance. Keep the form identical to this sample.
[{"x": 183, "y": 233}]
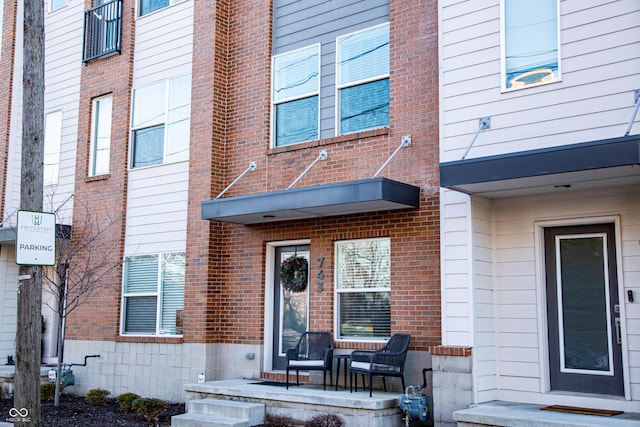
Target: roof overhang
[
  {"x": 587, "y": 165},
  {"x": 368, "y": 195}
]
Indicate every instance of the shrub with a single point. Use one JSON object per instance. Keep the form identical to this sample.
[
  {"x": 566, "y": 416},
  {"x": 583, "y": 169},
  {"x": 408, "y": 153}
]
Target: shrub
[
  {"x": 277, "y": 421},
  {"x": 48, "y": 392},
  {"x": 125, "y": 401},
  {"x": 325, "y": 420},
  {"x": 149, "y": 408},
  {"x": 97, "y": 396}
]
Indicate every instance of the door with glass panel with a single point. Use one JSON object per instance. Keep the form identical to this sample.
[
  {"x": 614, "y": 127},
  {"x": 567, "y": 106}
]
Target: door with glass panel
[
  {"x": 291, "y": 309},
  {"x": 585, "y": 352}
]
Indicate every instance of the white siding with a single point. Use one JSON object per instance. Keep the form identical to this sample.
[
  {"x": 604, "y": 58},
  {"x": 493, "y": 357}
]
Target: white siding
[
  {"x": 594, "y": 100},
  {"x": 8, "y": 302},
  {"x": 157, "y": 209},
  {"x": 157, "y": 195},
  {"x": 63, "y": 64},
  {"x": 163, "y": 44},
  {"x": 457, "y": 294}
]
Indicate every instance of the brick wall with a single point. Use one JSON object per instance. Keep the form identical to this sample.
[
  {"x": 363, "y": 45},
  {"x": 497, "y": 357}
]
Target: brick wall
[
  {"x": 224, "y": 290},
  {"x": 103, "y": 198},
  {"x": 231, "y": 308}
]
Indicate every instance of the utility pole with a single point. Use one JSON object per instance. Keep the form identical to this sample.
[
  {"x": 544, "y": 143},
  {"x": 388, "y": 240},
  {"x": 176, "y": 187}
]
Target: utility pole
[{"x": 28, "y": 337}]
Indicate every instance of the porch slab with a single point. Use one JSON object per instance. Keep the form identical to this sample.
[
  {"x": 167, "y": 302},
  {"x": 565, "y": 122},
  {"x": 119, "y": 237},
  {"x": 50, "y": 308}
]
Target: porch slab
[
  {"x": 526, "y": 415},
  {"x": 303, "y": 402}
]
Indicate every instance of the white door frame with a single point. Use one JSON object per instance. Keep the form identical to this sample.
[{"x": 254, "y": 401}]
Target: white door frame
[{"x": 269, "y": 300}]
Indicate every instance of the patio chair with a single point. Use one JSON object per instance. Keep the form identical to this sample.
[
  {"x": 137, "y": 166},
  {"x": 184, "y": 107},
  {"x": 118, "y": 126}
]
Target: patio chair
[
  {"x": 313, "y": 352},
  {"x": 386, "y": 362}
]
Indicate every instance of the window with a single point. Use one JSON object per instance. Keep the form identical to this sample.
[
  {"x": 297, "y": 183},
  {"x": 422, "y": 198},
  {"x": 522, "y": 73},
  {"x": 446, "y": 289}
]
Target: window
[
  {"x": 52, "y": 139},
  {"x": 530, "y": 43},
  {"x": 161, "y": 122},
  {"x": 148, "y": 6},
  {"x": 56, "y": 4},
  {"x": 296, "y": 88},
  {"x": 363, "y": 288},
  {"x": 100, "y": 136},
  {"x": 153, "y": 294},
  {"x": 363, "y": 79}
]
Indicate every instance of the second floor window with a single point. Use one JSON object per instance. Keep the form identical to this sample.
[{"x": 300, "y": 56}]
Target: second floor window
[
  {"x": 296, "y": 88},
  {"x": 100, "y": 136},
  {"x": 56, "y": 4},
  {"x": 148, "y": 6},
  {"x": 52, "y": 140},
  {"x": 363, "y": 79},
  {"x": 530, "y": 43},
  {"x": 161, "y": 122}
]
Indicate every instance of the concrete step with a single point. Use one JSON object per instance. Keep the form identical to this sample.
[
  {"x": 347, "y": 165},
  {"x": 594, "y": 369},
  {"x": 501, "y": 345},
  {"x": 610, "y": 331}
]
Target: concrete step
[
  {"x": 202, "y": 420},
  {"x": 252, "y": 412}
]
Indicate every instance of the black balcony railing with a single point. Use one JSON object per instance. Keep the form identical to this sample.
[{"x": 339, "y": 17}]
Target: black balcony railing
[{"x": 102, "y": 31}]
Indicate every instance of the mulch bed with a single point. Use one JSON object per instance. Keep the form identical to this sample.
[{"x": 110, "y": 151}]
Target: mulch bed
[{"x": 76, "y": 411}]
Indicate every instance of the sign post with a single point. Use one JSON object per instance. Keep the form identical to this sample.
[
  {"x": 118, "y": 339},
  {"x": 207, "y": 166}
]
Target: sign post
[{"x": 36, "y": 238}]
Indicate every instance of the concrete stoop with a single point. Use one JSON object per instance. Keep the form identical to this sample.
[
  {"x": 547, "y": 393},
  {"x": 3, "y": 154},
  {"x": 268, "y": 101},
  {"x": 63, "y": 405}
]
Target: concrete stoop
[{"x": 210, "y": 412}]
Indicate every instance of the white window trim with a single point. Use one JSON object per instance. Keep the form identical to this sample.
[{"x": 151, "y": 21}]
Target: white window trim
[
  {"x": 503, "y": 61},
  {"x": 339, "y": 86},
  {"x": 337, "y": 292},
  {"x": 132, "y": 129},
  {"x": 93, "y": 141},
  {"x": 293, "y": 98},
  {"x": 157, "y": 294}
]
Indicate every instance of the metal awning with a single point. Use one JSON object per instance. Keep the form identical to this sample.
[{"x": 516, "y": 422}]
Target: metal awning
[
  {"x": 587, "y": 165},
  {"x": 367, "y": 195}
]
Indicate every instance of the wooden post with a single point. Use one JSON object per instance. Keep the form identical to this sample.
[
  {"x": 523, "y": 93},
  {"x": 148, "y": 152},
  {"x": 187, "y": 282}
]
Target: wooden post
[{"x": 28, "y": 337}]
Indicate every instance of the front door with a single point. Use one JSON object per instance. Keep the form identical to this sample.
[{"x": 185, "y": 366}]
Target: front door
[
  {"x": 290, "y": 309},
  {"x": 585, "y": 353}
]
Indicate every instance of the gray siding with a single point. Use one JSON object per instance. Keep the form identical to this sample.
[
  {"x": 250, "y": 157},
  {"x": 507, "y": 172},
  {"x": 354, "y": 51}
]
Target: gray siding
[{"x": 298, "y": 24}]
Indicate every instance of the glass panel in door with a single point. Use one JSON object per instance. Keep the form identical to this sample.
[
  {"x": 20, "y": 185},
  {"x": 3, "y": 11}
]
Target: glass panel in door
[{"x": 291, "y": 309}]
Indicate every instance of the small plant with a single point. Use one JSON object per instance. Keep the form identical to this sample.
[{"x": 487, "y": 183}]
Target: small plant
[
  {"x": 125, "y": 401},
  {"x": 277, "y": 421},
  {"x": 48, "y": 392},
  {"x": 97, "y": 396},
  {"x": 325, "y": 420},
  {"x": 149, "y": 408}
]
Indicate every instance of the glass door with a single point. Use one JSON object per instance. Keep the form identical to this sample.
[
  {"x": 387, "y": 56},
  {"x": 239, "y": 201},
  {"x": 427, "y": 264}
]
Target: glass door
[
  {"x": 291, "y": 309},
  {"x": 585, "y": 353}
]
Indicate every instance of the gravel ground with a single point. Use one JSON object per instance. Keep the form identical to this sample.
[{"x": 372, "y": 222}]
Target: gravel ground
[{"x": 74, "y": 411}]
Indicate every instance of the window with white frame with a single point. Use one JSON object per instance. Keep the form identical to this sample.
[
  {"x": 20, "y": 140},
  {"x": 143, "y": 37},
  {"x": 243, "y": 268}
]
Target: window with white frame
[
  {"x": 296, "y": 89},
  {"x": 100, "y": 135},
  {"x": 363, "y": 288},
  {"x": 530, "y": 43},
  {"x": 153, "y": 294},
  {"x": 56, "y": 4},
  {"x": 148, "y": 6},
  {"x": 52, "y": 140},
  {"x": 160, "y": 122},
  {"x": 362, "y": 73}
]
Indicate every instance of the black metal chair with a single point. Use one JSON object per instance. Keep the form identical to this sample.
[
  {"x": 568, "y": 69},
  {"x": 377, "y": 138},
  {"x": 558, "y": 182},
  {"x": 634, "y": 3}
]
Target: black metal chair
[
  {"x": 386, "y": 362},
  {"x": 313, "y": 352}
]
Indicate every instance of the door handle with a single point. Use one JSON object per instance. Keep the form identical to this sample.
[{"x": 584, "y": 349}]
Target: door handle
[{"x": 618, "y": 331}]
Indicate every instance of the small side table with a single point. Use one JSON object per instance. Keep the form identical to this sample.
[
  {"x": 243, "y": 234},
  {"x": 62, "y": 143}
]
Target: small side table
[{"x": 344, "y": 358}]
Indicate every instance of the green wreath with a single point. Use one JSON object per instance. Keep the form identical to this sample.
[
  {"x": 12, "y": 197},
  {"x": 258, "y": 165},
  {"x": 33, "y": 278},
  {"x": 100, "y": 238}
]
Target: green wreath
[{"x": 293, "y": 273}]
